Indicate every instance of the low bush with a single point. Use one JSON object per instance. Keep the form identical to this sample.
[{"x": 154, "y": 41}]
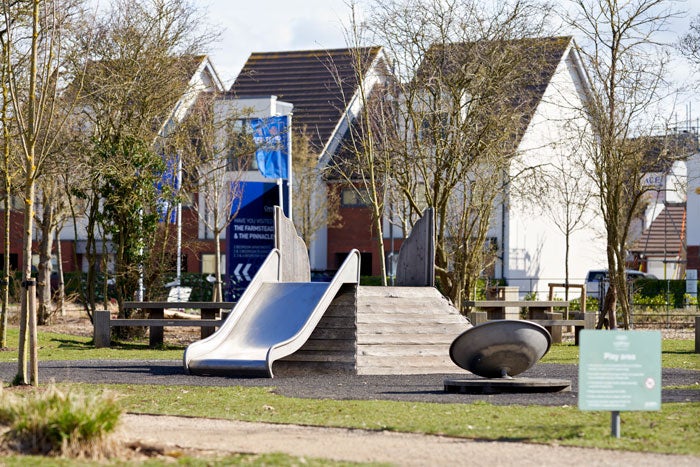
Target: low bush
[
  {"x": 671, "y": 292},
  {"x": 53, "y": 422}
]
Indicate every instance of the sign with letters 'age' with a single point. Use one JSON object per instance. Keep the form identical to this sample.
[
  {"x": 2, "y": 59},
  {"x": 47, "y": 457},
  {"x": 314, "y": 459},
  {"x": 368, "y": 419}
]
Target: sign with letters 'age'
[{"x": 620, "y": 370}]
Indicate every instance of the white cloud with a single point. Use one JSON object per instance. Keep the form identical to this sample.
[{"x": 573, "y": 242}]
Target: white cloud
[{"x": 273, "y": 25}]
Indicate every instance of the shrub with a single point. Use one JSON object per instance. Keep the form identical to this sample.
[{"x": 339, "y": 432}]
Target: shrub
[
  {"x": 54, "y": 422},
  {"x": 652, "y": 288}
]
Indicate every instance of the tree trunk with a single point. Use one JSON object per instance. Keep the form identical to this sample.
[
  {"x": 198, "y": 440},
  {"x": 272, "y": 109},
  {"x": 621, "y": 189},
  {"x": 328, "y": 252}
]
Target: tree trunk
[
  {"x": 27, "y": 280},
  {"x": 60, "y": 303},
  {"x": 217, "y": 294},
  {"x": 377, "y": 218},
  {"x": 7, "y": 182},
  {"x": 6, "y": 273},
  {"x": 45, "y": 268}
]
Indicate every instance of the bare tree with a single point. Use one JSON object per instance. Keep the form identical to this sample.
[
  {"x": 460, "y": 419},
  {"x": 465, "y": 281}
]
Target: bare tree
[
  {"x": 9, "y": 172},
  {"x": 461, "y": 71},
  {"x": 365, "y": 165},
  {"x": 217, "y": 150},
  {"x": 563, "y": 191},
  {"x": 690, "y": 43},
  {"x": 627, "y": 67},
  {"x": 311, "y": 211}
]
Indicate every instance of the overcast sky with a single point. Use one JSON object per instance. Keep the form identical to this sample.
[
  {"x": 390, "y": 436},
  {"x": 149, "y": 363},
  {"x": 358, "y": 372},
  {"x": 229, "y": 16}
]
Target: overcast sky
[{"x": 280, "y": 25}]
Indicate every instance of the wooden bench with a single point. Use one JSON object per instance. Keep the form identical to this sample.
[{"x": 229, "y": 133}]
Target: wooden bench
[
  {"x": 156, "y": 321},
  {"x": 538, "y": 311},
  {"x": 496, "y": 309},
  {"x": 553, "y": 323}
]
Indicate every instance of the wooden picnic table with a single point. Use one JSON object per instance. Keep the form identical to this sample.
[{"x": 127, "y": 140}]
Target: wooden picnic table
[
  {"x": 209, "y": 311},
  {"x": 536, "y": 308},
  {"x": 538, "y": 311}
]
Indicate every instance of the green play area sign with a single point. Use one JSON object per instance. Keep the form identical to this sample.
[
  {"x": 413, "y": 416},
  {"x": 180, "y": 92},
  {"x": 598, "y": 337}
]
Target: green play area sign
[{"x": 620, "y": 370}]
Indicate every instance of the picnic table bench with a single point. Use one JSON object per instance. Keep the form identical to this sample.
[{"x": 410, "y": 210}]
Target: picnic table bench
[
  {"x": 495, "y": 307},
  {"x": 538, "y": 311},
  {"x": 211, "y": 317}
]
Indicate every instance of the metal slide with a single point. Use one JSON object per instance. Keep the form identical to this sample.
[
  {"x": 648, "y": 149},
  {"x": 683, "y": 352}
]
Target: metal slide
[{"x": 271, "y": 320}]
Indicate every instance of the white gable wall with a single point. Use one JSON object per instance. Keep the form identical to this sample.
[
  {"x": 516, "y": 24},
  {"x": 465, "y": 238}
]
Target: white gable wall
[
  {"x": 534, "y": 245},
  {"x": 693, "y": 208}
]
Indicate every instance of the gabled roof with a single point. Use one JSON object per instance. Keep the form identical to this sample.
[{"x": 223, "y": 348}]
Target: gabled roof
[
  {"x": 172, "y": 84},
  {"x": 666, "y": 234},
  {"x": 662, "y": 151},
  {"x": 320, "y": 84},
  {"x": 526, "y": 65},
  {"x": 185, "y": 67}
]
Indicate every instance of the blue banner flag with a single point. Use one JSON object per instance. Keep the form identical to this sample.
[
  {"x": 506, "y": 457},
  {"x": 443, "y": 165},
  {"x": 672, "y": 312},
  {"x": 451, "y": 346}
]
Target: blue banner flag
[
  {"x": 270, "y": 137},
  {"x": 168, "y": 187}
]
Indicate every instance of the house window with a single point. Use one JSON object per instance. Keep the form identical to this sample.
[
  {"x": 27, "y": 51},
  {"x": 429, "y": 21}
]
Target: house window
[
  {"x": 365, "y": 262},
  {"x": 14, "y": 261},
  {"x": 208, "y": 266},
  {"x": 350, "y": 197},
  {"x": 239, "y": 157}
]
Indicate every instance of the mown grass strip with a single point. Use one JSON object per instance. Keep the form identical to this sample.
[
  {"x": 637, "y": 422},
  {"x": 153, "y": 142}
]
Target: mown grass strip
[
  {"x": 252, "y": 460},
  {"x": 55, "y": 346}
]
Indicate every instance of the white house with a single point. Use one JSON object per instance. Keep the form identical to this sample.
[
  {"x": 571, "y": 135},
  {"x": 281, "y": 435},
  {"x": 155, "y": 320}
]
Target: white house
[
  {"x": 530, "y": 225},
  {"x": 693, "y": 223}
]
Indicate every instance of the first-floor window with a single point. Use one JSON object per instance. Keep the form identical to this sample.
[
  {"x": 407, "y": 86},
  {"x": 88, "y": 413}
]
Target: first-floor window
[
  {"x": 350, "y": 197},
  {"x": 208, "y": 266}
]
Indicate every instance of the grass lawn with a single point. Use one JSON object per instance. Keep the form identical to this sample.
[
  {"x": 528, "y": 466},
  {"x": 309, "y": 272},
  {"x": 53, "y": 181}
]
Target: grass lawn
[{"x": 673, "y": 429}]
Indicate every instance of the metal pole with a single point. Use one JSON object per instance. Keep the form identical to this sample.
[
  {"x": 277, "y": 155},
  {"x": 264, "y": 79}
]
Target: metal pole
[
  {"x": 178, "y": 219},
  {"x": 280, "y": 191},
  {"x": 615, "y": 424},
  {"x": 289, "y": 163}
]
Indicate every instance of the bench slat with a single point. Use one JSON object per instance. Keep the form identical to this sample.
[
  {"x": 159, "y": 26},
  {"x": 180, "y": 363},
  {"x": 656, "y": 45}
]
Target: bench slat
[
  {"x": 515, "y": 303},
  {"x": 559, "y": 322},
  {"x": 193, "y": 305},
  {"x": 165, "y": 322}
]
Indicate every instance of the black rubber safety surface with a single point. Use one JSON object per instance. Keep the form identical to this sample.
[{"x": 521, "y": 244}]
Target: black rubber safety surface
[{"x": 418, "y": 388}]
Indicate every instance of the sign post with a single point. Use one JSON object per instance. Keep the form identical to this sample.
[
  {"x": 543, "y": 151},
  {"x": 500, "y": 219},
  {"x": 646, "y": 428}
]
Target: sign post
[{"x": 619, "y": 370}]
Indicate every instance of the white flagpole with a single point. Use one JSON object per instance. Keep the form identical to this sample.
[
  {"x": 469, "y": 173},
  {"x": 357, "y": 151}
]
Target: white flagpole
[
  {"x": 289, "y": 162},
  {"x": 178, "y": 219},
  {"x": 280, "y": 182}
]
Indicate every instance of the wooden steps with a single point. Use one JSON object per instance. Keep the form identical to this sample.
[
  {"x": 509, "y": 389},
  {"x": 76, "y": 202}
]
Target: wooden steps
[
  {"x": 381, "y": 330},
  {"x": 405, "y": 330}
]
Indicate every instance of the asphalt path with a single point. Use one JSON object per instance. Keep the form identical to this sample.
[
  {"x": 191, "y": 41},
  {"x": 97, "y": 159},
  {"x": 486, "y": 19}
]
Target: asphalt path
[{"x": 415, "y": 388}]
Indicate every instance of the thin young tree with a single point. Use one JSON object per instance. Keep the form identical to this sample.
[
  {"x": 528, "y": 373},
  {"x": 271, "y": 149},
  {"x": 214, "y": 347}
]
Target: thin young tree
[
  {"x": 566, "y": 196},
  {"x": 217, "y": 151},
  {"x": 311, "y": 210},
  {"x": 36, "y": 33},
  {"x": 366, "y": 168},
  {"x": 627, "y": 66},
  {"x": 9, "y": 171}
]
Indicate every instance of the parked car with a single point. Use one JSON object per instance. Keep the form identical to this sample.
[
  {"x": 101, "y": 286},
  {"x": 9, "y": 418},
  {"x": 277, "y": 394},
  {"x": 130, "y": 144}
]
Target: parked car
[{"x": 597, "y": 280}]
